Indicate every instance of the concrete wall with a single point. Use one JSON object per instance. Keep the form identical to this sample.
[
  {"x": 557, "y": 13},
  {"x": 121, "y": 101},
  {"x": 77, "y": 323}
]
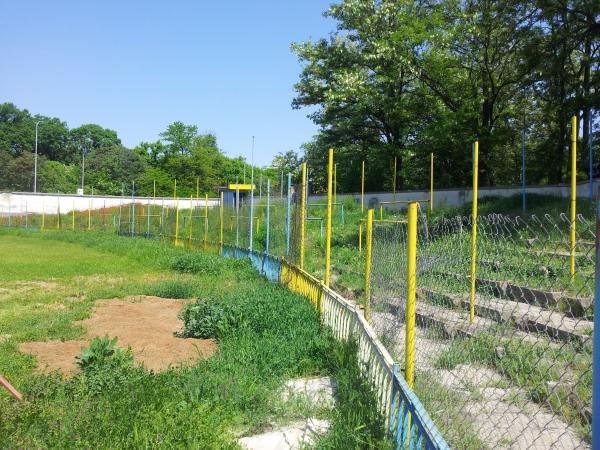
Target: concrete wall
[
  {"x": 21, "y": 202},
  {"x": 457, "y": 197}
]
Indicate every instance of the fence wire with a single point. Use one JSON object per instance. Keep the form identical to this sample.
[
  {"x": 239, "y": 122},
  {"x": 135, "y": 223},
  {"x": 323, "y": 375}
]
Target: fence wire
[{"x": 520, "y": 374}]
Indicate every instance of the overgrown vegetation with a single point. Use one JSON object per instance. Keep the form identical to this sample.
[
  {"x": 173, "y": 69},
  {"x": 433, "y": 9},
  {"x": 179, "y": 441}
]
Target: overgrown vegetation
[
  {"x": 559, "y": 378},
  {"x": 266, "y": 335}
]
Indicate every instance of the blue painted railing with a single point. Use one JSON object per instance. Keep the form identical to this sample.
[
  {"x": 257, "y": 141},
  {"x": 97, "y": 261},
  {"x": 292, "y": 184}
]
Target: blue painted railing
[
  {"x": 409, "y": 425},
  {"x": 266, "y": 265}
]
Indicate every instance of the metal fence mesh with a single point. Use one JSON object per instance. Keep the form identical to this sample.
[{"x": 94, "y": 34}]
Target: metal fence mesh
[{"x": 519, "y": 374}]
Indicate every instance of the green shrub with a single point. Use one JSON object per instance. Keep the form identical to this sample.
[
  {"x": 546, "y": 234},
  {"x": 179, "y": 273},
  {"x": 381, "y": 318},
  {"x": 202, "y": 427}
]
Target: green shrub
[
  {"x": 102, "y": 353},
  {"x": 203, "y": 320}
]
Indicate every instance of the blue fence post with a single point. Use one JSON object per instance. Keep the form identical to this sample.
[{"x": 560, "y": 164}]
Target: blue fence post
[
  {"x": 132, "y": 208},
  {"x": 288, "y": 218},
  {"x": 120, "y": 208},
  {"x": 268, "y": 213},
  {"x": 237, "y": 213},
  {"x": 307, "y": 187},
  {"x": 251, "y": 246},
  {"x": 596, "y": 351},
  {"x": 591, "y": 158},
  {"x": 524, "y": 195},
  {"x": 162, "y": 217},
  {"x": 148, "y": 225}
]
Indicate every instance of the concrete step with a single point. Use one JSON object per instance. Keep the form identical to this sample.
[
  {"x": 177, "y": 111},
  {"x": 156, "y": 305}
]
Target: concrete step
[
  {"x": 296, "y": 436},
  {"x": 524, "y": 316},
  {"x": 576, "y": 306}
]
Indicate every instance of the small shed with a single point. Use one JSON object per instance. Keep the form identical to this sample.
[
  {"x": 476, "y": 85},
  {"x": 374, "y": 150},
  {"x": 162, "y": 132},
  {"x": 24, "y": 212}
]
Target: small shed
[{"x": 229, "y": 193}]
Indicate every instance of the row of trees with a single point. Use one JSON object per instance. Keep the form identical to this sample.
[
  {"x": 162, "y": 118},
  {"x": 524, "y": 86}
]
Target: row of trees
[
  {"x": 181, "y": 153},
  {"x": 403, "y": 78}
]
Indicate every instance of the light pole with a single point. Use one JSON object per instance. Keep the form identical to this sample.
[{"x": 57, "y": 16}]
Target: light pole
[{"x": 35, "y": 164}]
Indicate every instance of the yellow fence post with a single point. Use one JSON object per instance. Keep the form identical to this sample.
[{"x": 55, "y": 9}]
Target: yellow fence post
[
  {"x": 175, "y": 188},
  {"x": 328, "y": 234},
  {"x": 197, "y": 188},
  {"x": 221, "y": 224},
  {"x": 205, "y": 218},
  {"x": 176, "y": 221},
  {"x": 191, "y": 218},
  {"x": 368, "y": 265},
  {"x": 411, "y": 289},
  {"x": 153, "y": 188},
  {"x": 90, "y": 215},
  {"x": 573, "y": 195},
  {"x": 474, "y": 230},
  {"x": 431, "y": 185},
  {"x": 302, "y": 215}
]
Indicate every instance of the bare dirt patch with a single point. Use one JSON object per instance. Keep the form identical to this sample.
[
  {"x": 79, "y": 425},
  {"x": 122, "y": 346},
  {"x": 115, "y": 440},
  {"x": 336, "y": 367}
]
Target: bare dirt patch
[
  {"x": 22, "y": 287},
  {"x": 144, "y": 323},
  {"x": 45, "y": 285}
]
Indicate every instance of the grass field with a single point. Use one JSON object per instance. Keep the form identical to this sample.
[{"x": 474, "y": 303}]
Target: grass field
[{"x": 266, "y": 335}]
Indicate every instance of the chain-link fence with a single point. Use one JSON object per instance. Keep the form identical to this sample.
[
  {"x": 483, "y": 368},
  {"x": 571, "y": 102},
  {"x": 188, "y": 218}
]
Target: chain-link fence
[{"x": 518, "y": 374}]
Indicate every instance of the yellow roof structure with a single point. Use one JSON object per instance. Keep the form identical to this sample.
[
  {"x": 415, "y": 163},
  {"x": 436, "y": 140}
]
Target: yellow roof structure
[{"x": 241, "y": 187}]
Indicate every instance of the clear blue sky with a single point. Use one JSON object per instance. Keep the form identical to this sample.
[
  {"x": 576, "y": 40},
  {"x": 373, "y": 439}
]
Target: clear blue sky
[{"x": 136, "y": 66}]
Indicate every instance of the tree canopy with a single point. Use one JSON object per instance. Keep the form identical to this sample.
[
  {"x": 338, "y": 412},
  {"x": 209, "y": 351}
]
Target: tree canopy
[
  {"x": 181, "y": 153},
  {"x": 403, "y": 78}
]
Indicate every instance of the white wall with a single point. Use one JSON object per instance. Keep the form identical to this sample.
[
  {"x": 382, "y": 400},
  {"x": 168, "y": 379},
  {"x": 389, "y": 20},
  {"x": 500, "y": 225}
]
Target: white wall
[
  {"x": 457, "y": 197},
  {"x": 21, "y": 202}
]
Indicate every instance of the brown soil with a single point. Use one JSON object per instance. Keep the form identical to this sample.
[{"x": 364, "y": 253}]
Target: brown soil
[{"x": 144, "y": 323}]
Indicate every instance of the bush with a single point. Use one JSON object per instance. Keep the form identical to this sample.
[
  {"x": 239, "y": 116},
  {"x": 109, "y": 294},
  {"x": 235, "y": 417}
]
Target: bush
[
  {"x": 102, "y": 353},
  {"x": 203, "y": 320}
]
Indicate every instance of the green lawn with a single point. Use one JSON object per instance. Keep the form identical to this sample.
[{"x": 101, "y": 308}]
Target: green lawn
[{"x": 265, "y": 333}]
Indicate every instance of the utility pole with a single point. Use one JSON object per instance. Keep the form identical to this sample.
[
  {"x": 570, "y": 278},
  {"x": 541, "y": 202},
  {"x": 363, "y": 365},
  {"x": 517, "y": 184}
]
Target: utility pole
[{"x": 83, "y": 170}]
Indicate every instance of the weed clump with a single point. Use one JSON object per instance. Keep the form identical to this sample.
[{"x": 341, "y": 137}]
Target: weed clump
[
  {"x": 173, "y": 289},
  {"x": 196, "y": 263},
  {"x": 103, "y": 353}
]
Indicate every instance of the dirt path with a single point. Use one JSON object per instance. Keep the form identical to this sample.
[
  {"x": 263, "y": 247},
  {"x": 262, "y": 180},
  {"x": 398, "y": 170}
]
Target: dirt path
[{"x": 144, "y": 323}]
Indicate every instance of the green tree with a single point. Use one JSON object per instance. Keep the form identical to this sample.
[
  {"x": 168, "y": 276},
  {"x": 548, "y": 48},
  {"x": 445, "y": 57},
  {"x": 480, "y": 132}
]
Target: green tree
[
  {"x": 286, "y": 161},
  {"x": 91, "y": 137},
  {"x": 180, "y": 138},
  {"x": 109, "y": 168},
  {"x": 55, "y": 176}
]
